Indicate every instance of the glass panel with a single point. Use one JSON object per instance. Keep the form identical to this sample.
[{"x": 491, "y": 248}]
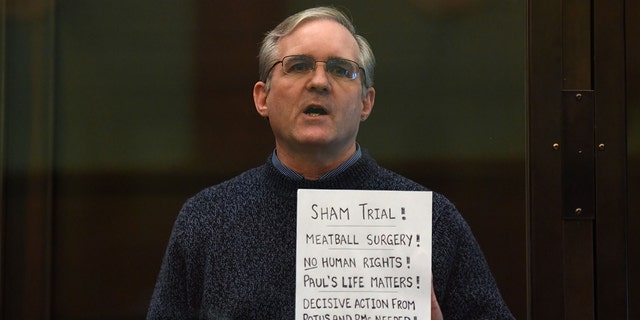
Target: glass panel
[
  {"x": 154, "y": 103},
  {"x": 26, "y": 154},
  {"x": 124, "y": 130}
]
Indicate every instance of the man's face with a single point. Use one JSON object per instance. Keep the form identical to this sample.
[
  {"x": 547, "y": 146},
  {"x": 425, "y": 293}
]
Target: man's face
[{"x": 315, "y": 110}]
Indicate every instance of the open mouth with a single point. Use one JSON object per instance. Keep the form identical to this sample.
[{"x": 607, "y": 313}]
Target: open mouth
[{"x": 315, "y": 111}]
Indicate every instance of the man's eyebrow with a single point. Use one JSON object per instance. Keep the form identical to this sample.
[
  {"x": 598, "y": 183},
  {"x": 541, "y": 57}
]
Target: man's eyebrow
[{"x": 342, "y": 58}]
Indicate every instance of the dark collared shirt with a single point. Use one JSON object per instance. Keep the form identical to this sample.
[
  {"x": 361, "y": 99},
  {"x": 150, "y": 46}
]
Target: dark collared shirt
[{"x": 296, "y": 176}]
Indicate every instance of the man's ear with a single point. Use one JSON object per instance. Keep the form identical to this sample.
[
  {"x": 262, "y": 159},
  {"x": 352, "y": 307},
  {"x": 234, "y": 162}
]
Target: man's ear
[
  {"x": 367, "y": 103},
  {"x": 260, "y": 94}
]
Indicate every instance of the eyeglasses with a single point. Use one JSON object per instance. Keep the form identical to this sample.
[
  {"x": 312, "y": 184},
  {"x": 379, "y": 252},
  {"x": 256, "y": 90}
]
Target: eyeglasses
[{"x": 337, "y": 67}]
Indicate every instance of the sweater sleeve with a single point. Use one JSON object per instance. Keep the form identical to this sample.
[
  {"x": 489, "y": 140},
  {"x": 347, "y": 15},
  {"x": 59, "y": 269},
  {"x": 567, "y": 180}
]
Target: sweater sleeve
[
  {"x": 463, "y": 283},
  {"x": 174, "y": 296}
]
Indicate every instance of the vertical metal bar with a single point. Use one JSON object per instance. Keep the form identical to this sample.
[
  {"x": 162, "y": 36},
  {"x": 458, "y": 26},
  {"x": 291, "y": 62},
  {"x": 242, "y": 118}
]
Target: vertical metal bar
[
  {"x": 579, "y": 270},
  {"x": 576, "y": 44},
  {"x": 632, "y": 79},
  {"x": 3, "y": 40},
  {"x": 578, "y": 168},
  {"x": 611, "y": 155},
  {"x": 544, "y": 136}
]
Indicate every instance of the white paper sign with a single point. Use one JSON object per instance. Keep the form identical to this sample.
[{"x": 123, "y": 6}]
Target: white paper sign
[{"x": 363, "y": 255}]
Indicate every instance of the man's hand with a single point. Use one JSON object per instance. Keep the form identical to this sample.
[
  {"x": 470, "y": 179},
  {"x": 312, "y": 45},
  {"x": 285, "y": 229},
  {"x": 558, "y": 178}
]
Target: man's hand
[{"x": 436, "y": 313}]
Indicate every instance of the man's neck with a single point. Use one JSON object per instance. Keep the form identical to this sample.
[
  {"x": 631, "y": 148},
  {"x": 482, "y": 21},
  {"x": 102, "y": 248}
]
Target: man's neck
[{"x": 313, "y": 164}]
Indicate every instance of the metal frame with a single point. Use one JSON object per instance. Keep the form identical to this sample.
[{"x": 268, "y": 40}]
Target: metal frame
[{"x": 577, "y": 160}]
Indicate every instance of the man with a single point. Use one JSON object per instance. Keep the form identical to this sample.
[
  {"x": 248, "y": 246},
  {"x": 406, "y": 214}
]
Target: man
[{"x": 232, "y": 251}]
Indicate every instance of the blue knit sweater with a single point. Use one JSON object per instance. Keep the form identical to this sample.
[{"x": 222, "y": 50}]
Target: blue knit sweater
[{"x": 231, "y": 254}]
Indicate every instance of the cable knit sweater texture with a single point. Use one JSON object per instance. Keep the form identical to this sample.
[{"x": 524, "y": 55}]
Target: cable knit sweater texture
[{"x": 231, "y": 254}]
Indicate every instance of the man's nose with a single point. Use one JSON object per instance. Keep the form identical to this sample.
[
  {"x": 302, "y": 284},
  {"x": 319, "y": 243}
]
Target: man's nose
[{"x": 319, "y": 78}]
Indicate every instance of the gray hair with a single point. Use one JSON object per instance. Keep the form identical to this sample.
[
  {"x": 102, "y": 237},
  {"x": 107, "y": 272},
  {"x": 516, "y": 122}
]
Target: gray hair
[{"x": 269, "y": 50}]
